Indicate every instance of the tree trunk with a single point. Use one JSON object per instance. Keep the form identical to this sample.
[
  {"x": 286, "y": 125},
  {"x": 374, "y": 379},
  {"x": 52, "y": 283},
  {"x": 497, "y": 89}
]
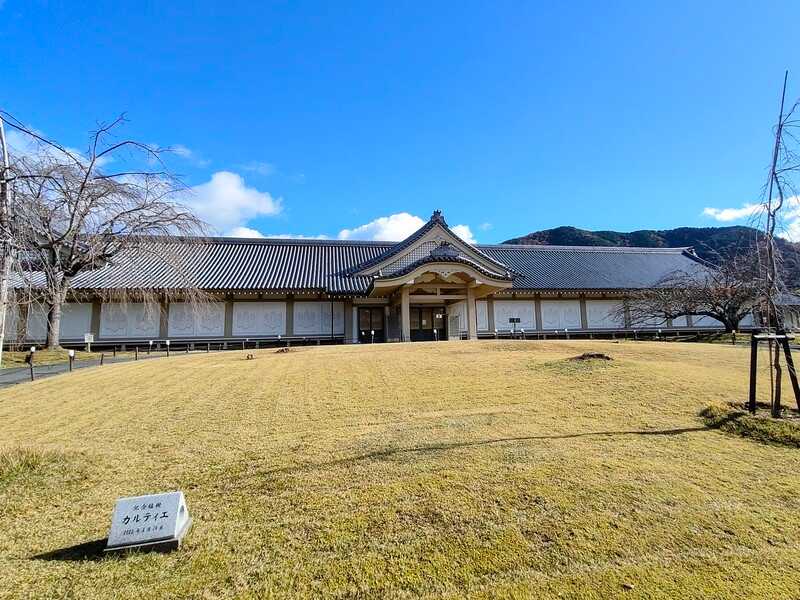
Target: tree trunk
[{"x": 54, "y": 318}]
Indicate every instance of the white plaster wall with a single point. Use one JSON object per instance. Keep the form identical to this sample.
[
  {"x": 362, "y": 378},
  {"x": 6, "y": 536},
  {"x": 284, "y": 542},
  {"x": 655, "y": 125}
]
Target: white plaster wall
[
  {"x": 133, "y": 319},
  {"x": 36, "y": 325},
  {"x": 561, "y": 314},
  {"x": 482, "y": 308},
  {"x": 12, "y": 323},
  {"x": 314, "y": 318},
  {"x": 600, "y": 314},
  {"x": 188, "y": 320},
  {"x": 259, "y": 318},
  {"x": 456, "y": 312},
  {"x": 76, "y": 319},
  {"x": 524, "y": 310}
]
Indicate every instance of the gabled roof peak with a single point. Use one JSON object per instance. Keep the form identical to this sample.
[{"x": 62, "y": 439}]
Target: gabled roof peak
[{"x": 438, "y": 217}]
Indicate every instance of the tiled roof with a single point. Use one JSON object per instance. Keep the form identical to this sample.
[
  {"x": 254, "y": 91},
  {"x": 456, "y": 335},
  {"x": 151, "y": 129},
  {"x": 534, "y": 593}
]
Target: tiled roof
[
  {"x": 396, "y": 249},
  {"x": 278, "y": 265},
  {"x": 591, "y": 267}
]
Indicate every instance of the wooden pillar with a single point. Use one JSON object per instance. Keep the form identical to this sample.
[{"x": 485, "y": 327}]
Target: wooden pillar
[
  {"x": 347, "y": 308},
  {"x": 94, "y": 323},
  {"x": 490, "y": 313},
  {"x": 405, "y": 315},
  {"x": 584, "y": 318},
  {"x": 472, "y": 314},
  {"x": 228, "y": 330},
  {"x": 290, "y": 315},
  {"x": 537, "y": 309},
  {"x": 163, "y": 322}
]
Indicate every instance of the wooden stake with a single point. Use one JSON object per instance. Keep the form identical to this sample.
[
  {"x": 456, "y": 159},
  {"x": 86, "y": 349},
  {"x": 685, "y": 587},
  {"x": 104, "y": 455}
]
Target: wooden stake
[
  {"x": 792, "y": 372},
  {"x": 753, "y": 373}
]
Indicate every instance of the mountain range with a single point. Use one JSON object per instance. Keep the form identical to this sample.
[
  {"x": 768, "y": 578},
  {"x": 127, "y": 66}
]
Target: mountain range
[{"x": 708, "y": 243}]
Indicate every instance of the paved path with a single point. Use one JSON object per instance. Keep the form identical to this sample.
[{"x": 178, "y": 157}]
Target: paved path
[{"x": 15, "y": 375}]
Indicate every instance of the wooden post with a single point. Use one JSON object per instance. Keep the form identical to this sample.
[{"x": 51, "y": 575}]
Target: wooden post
[
  {"x": 136, "y": 352},
  {"x": 31, "y": 368},
  {"x": 776, "y": 403},
  {"x": 102, "y": 357},
  {"x": 792, "y": 373},
  {"x": 753, "y": 373}
]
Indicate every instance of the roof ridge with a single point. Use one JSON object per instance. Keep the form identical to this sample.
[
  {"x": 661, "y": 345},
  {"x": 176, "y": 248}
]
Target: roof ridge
[{"x": 554, "y": 247}]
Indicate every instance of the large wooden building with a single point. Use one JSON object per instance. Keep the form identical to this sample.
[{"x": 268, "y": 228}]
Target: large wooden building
[{"x": 432, "y": 285}]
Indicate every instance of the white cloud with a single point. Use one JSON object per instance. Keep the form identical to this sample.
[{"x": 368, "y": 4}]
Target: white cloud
[
  {"x": 256, "y": 166},
  {"x": 248, "y": 232},
  {"x": 485, "y": 226},
  {"x": 297, "y": 236},
  {"x": 397, "y": 227},
  {"x": 227, "y": 203},
  {"x": 392, "y": 228},
  {"x": 465, "y": 233},
  {"x": 245, "y": 232},
  {"x": 732, "y": 214},
  {"x": 788, "y": 218},
  {"x": 189, "y": 154}
]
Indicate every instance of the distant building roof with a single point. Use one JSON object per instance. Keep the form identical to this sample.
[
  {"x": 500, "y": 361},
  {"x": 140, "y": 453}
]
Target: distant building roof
[{"x": 345, "y": 267}]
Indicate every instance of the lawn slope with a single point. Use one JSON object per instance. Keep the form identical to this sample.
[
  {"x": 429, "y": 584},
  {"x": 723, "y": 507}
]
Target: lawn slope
[{"x": 441, "y": 470}]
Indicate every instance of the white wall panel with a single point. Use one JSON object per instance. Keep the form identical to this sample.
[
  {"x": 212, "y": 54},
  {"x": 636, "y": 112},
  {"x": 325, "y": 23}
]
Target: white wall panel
[
  {"x": 314, "y": 318},
  {"x": 524, "y": 310},
  {"x": 133, "y": 319},
  {"x": 36, "y": 325},
  {"x": 456, "y": 319},
  {"x": 259, "y": 318},
  {"x": 482, "y": 308},
  {"x": 601, "y": 314},
  {"x": 76, "y": 319},
  {"x": 561, "y": 314},
  {"x": 12, "y": 323},
  {"x": 202, "y": 320}
]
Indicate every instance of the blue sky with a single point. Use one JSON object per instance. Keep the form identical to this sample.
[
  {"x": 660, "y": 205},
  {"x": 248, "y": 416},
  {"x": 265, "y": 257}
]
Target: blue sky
[{"x": 321, "y": 118}]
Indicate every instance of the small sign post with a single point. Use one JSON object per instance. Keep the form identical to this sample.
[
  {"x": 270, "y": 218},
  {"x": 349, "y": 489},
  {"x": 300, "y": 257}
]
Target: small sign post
[
  {"x": 153, "y": 522},
  {"x": 88, "y": 338},
  {"x": 513, "y": 321}
]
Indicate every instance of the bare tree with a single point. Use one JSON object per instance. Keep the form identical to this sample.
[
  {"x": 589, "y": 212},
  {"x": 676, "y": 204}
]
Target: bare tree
[
  {"x": 726, "y": 291},
  {"x": 72, "y": 212}
]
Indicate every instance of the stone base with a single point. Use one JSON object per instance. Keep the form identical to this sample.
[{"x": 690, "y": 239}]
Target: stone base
[{"x": 165, "y": 545}]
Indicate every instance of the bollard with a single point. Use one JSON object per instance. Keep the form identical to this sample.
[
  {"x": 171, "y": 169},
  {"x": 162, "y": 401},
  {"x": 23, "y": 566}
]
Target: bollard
[
  {"x": 167, "y": 343},
  {"x": 136, "y": 353},
  {"x": 208, "y": 347},
  {"x": 114, "y": 350},
  {"x": 31, "y": 368},
  {"x": 71, "y": 354},
  {"x": 102, "y": 358},
  {"x": 187, "y": 348}
]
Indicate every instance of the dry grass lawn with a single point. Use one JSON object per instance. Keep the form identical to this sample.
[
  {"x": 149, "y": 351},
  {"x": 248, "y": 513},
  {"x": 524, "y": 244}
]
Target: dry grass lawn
[{"x": 485, "y": 469}]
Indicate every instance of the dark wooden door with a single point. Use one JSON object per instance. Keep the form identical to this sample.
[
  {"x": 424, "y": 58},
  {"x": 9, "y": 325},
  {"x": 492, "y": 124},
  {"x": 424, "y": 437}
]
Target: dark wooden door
[{"x": 370, "y": 325}]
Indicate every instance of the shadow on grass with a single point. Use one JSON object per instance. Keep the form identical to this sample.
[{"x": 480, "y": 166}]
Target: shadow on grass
[
  {"x": 87, "y": 551},
  {"x": 760, "y": 427},
  {"x": 389, "y": 452}
]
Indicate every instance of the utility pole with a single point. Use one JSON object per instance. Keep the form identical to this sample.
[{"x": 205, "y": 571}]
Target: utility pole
[{"x": 6, "y": 245}]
